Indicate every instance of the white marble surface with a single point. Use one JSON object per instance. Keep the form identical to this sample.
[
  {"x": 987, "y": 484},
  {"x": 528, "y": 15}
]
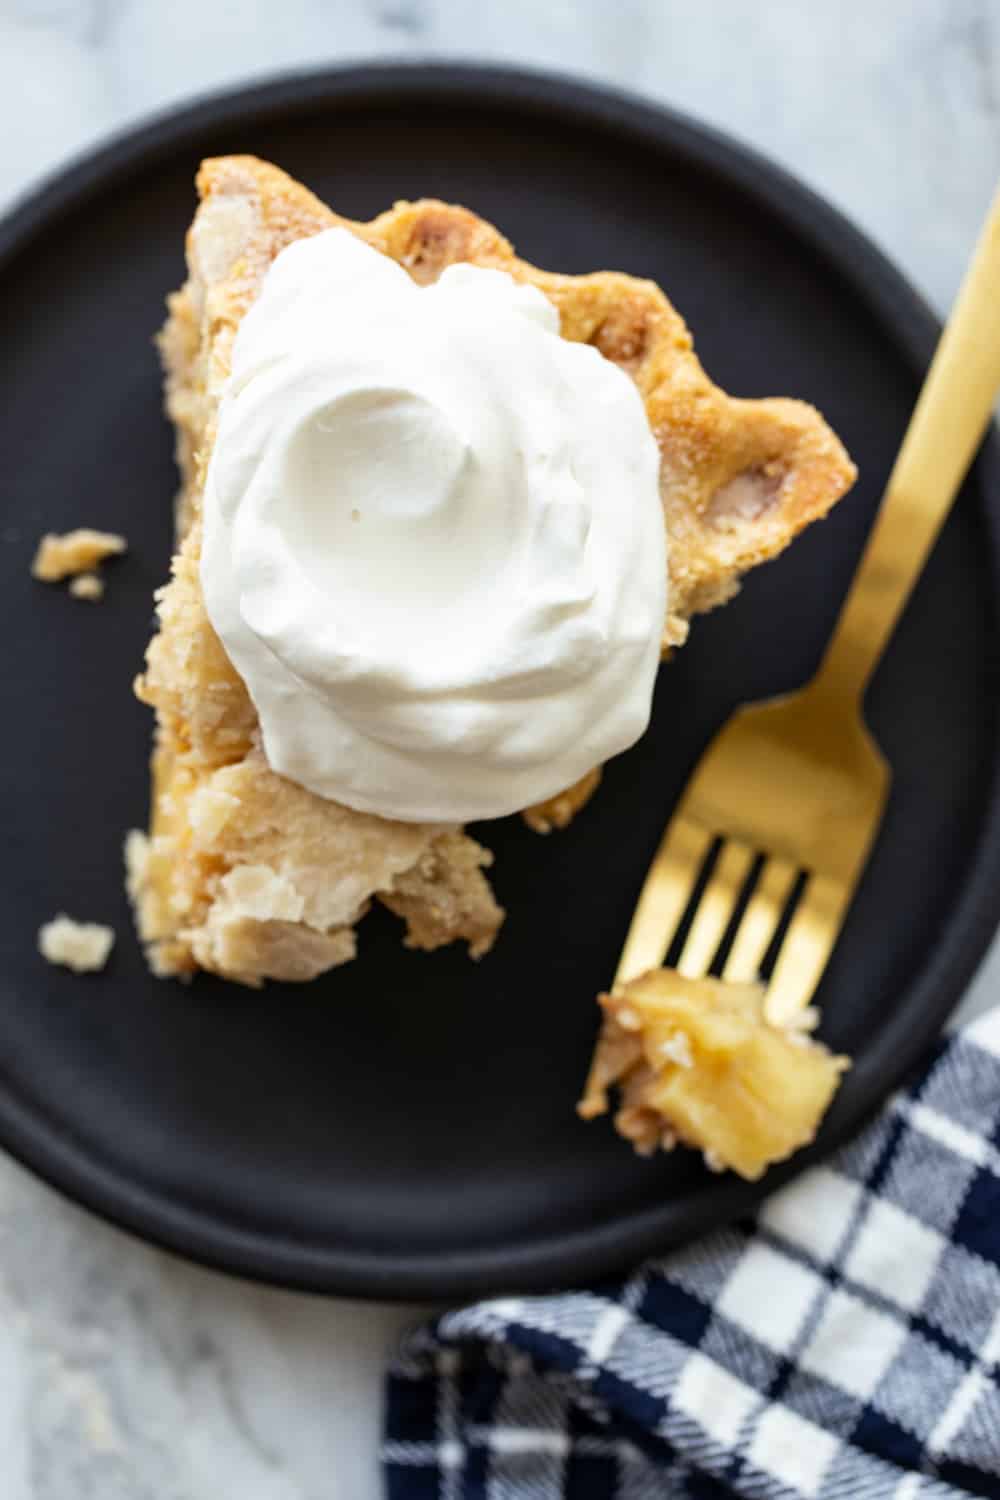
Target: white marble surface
[{"x": 125, "y": 1374}]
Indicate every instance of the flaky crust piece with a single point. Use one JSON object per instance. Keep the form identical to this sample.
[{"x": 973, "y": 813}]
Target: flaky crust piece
[{"x": 251, "y": 876}]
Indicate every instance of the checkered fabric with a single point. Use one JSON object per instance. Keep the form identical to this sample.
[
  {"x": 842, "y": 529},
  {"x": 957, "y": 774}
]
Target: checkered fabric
[{"x": 843, "y": 1344}]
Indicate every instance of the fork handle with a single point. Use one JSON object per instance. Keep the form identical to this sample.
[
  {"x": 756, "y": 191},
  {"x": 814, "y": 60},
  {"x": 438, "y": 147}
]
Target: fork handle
[{"x": 945, "y": 430}]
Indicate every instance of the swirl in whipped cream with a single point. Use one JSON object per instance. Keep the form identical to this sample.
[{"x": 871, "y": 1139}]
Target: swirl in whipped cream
[{"x": 434, "y": 547}]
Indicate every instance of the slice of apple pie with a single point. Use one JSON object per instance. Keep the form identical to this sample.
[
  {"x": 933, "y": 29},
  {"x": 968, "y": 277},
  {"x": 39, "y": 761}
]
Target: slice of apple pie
[{"x": 250, "y": 875}]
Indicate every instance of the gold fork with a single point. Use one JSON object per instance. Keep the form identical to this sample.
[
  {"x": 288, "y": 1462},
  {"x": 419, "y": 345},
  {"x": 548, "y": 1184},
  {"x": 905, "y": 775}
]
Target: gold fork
[{"x": 795, "y": 787}]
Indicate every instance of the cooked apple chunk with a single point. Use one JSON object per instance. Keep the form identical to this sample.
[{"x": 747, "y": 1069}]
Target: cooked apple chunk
[{"x": 694, "y": 1060}]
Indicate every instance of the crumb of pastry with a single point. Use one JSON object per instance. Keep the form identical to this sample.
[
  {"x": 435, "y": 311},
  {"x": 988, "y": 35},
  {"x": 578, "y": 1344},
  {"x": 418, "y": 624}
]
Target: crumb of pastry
[
  {"x": 694, "y": 1060},
  {"x": 74, "y": 552},
  {"x": 81, "y": 946},
  {"x": 87, "y": 586},
  {"x": 560, "y": 810}
]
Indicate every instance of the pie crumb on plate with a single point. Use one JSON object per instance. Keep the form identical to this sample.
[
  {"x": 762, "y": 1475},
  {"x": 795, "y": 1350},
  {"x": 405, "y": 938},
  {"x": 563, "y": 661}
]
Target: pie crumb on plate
[
  {"x": 83, "y": 947},
  {"x": 87, "y": 586},
  {"x": 75, "y": 552}
]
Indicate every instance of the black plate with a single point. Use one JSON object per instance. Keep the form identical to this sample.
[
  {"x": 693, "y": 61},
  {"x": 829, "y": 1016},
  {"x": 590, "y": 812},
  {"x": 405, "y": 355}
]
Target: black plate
[{"x": 405, "y": 1127}]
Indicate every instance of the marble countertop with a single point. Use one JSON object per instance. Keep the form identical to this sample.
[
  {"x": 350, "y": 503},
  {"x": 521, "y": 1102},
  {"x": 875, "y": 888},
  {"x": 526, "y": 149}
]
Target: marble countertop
[{"x": 126, "y": 1374}]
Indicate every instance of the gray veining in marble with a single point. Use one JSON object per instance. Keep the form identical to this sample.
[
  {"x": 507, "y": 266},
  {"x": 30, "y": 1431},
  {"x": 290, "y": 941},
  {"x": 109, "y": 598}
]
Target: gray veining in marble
[{"x": 125, "y": 1374}]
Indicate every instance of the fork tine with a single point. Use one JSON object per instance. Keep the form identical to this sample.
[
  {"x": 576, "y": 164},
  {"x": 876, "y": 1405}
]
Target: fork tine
[
  {"x": 811, "y": 934},
  {"x": 715, "y": 909},
  {"x": 760, "y": 922},
  {"x": 664, "y": 897}
]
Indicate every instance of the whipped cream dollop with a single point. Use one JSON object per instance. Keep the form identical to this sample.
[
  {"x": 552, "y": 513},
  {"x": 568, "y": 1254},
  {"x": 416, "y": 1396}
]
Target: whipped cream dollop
[{"x": 434, "y": 547}]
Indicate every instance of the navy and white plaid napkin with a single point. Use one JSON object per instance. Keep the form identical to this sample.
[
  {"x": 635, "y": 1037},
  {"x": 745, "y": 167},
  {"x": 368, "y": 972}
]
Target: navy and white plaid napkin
[{"x": 844, "y": 1344}]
